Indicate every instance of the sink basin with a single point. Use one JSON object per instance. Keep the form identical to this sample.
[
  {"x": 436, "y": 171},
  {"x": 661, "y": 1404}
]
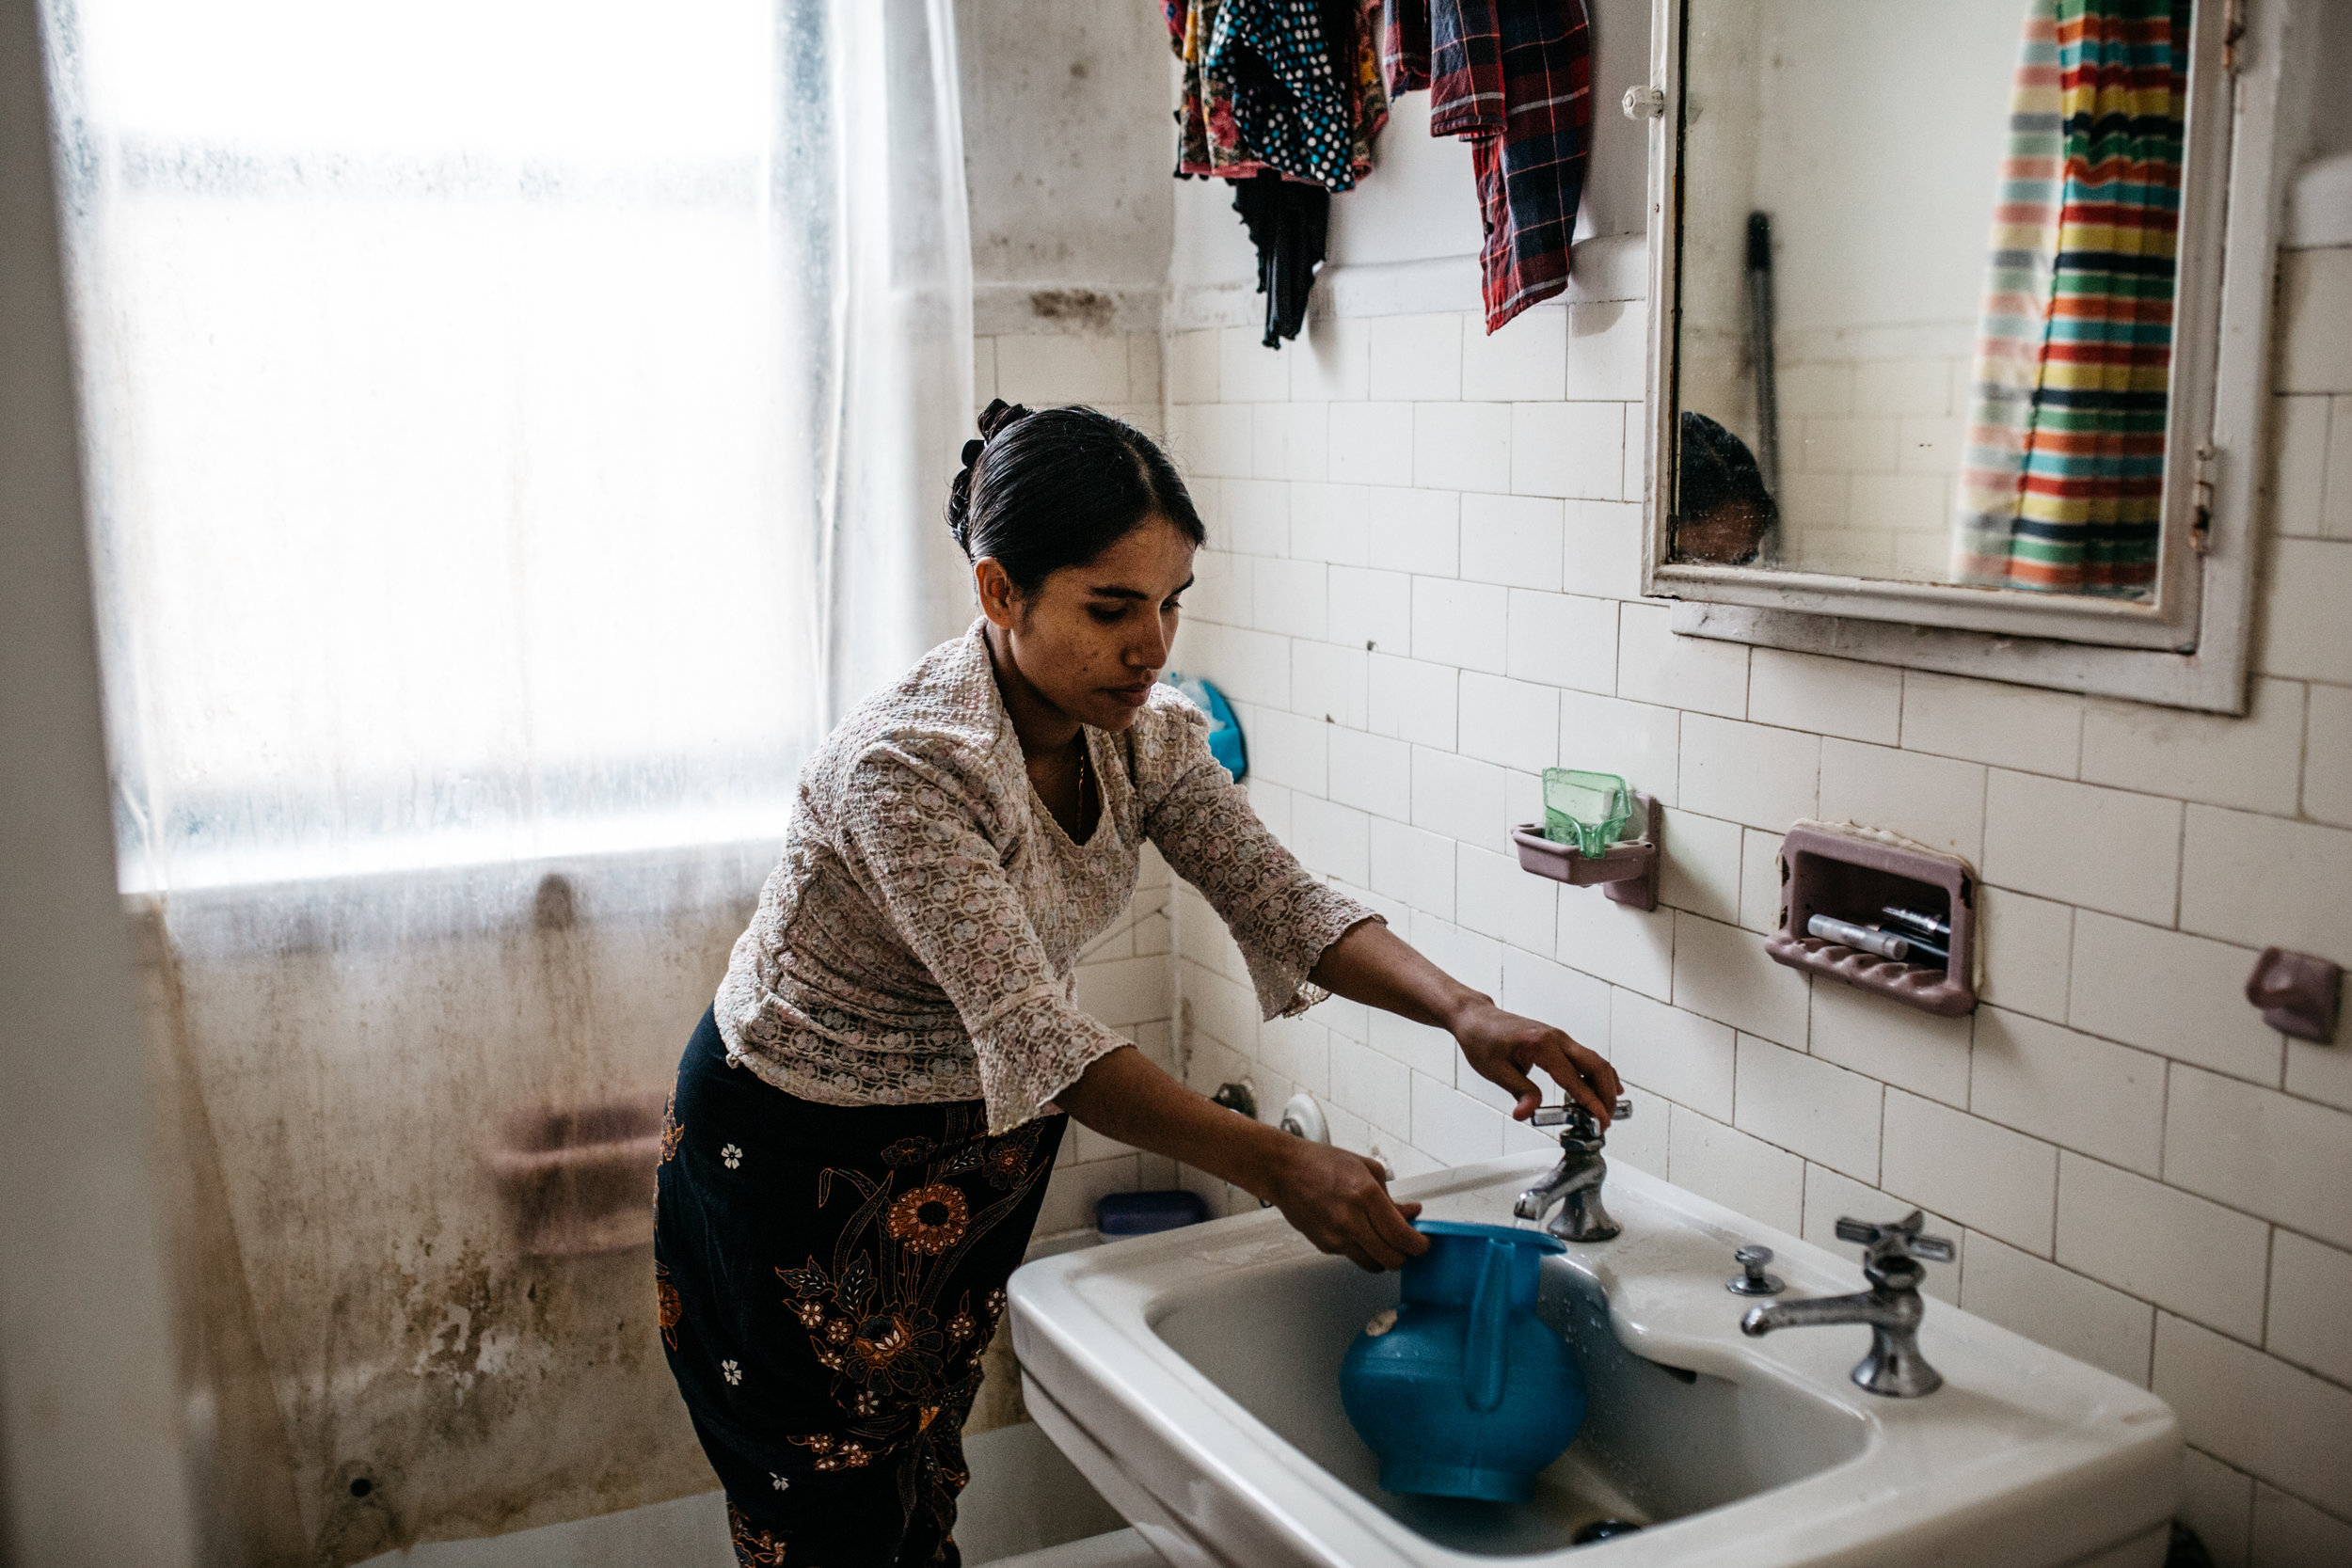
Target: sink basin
[{"x": 1193, "y": 1378}]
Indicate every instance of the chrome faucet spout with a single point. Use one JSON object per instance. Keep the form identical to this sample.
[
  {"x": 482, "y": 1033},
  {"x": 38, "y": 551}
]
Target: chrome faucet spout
[
  {"x": 1574, "y": 1184},
  {"x": 1891, "y": 1308}
]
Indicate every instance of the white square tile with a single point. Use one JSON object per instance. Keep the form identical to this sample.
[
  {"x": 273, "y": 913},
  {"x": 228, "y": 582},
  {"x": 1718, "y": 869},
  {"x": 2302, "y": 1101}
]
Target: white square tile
[
  {"x": 1462, "y": 446},
  {"x": 1372, "y": 443},
  {"x": 1640, "y": 743},
  {"x": 1516, "y": 723},
  {"x": 1291, "y": 598},
  {"x": 2102, "y": 848},
  {"x": 1986, "y": 1177},
  {"x": 1701, "y": 870},
  {"x": 2028, "y": 946},
  {"x": 1330, "y": 681},
  {"x": 1250, "y": 666},
  {"x": 2314, "y": 311},
  {"x": 2260, "y": 1150},
  {"x": 2254, "y": 762},
  {"x": 1371, "y": 772},
  {"x": 1759, "y": 880},
  {"x": 1330, "y": 361},
  {"x": 1256, "y": 515},
  {"x": 1830, "y": 696},
  {"x": 1752, "y": 774},
  {"x": 1416, "y": 358},
  {"x": 2309, "y": 1323},
  {"x": 1809, "y": 1107},
  {"x": 1563, "y": 640},
  {"x": 1740, "y": 1173},
  {"x": 1722, "y": 972},
  {"x": 1372, "y": 607},
  {"x": 2059, "y": 1308},
  {"x": 2075, "y": 1089},
  {"x": 1567, "y": 449},
  {"x": 2309, "y": 583},
  {"x": 2255, "y": 1412},
  {"x": 1931, "y": 445},
  {"x": 2262, "y": 882},
  {"x": 1328, "y": 524},
  {"x": 1043, "y": 367},
  {"x": 1428, "y": 1051},
  {"x": 1413, "y": 865},
  {"x": 1905, "y": 503},
  {"x": 1193, "y": 362},
  {"x": 1300, "y": 1050},
  {"x": 1818, "y": 388},
  {"x": 983, "y": 369},
  {"x": 1330, "y": 840},
  {"x": 1643, "y": 1140},
  {"x": 1920, "y": 386},
  {"x": 1512, "y": 539},
  {"x": 1554, "y": 994},
  {"x": 1603, "y": 549},
  {"x": 2165, "y": 991},
  {"x": 1692, "y": 672},
  {"x": 2289, "y": 1533},
  {"x": 1608, "y": 349},
  {"x": 1291, "y": 440},
  {"x": 1460, "y": 797},
  {"x": 1413, "y": 530},
  {"x": 1937, "y": 800},
  {"x": 1617, "y": 942},
  {"x": 1903, "y": 1046},
  {"x": 1501, "y": 901},
  {"x": 2328, "y": 755},
  {"x": 1845, "y": 445},
  {"x": 1287, "y": 749},
  {"x": 1222, "y": 588},
  {"x": 1414, "y": 700},
  {"x": 1453, "y": 1127},
  {"x": 1247, "y": 371},
  {"x": 2335, "y": 504},
  {"x": 2010, "y": 726},
  {"x": 1464, "y": 623},
  {"x": 2321, "y": 1072},
  {"x": 1527, "y": 364},
  {"x": 1376, "y": 1088},
  {"x": 1146, "y": 381},
  {"x": 2298, "y": 464},
  {"x": 2163, "y": 1245},
  {"x": 1474, "y": 958}
]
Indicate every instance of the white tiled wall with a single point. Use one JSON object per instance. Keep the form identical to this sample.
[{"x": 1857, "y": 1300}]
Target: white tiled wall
[
  {"x": 1126, "y": 979},
  {"x": 1421, "y": 592},
  {"x": 1871, "y": 451}
]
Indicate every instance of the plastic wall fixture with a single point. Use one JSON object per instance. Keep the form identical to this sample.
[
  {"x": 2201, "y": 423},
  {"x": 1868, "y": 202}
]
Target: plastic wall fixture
[
  {"x": 1856, "y": 875},
  {"x": 2297, "y": 994},
  {"x": 1628, "y": 874}
]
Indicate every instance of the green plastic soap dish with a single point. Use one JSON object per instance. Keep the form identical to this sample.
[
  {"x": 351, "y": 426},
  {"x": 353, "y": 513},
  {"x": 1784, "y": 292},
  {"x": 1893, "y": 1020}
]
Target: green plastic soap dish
[{"x": 1588, "y": 810}]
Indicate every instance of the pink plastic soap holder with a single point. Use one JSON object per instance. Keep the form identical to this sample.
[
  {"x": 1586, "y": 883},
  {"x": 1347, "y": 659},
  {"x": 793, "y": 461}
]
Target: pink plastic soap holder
[
  {"x": 1851, "y": 877},
  {"x": 1628, "y": 873}
]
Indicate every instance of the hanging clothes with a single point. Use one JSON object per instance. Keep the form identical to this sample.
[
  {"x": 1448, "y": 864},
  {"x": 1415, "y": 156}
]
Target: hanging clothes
[
  {"x": 2062, "y": 477},
  {"x": 1514, "y": 79},
  {"x": 1285, "y": 98},
  {"x": 1288, "y": 222}
]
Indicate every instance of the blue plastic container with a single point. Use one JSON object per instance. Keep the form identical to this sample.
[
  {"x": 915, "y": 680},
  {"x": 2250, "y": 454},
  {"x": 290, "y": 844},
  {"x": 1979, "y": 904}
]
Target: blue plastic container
[{"x": 1466, "y": 1393}]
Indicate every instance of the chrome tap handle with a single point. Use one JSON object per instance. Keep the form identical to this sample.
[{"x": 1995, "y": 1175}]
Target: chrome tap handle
[
  {"x": 1576, "y": 1117},
  {"x": 1754, "y": 1281},
  {"x": 1900, "y": 1240}
]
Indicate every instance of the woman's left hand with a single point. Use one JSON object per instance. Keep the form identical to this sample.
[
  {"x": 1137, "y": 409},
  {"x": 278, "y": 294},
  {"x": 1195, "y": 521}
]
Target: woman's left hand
[{"x": 1504, "y": 1048}]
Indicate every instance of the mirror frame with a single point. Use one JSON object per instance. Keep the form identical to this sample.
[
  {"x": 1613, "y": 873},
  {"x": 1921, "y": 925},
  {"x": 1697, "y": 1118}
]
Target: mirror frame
[{"x": 2189, "y": 647}]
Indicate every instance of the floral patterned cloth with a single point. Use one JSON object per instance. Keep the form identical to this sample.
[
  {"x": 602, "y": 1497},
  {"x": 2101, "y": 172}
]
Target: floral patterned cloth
[{"x": 916, "y": 943}]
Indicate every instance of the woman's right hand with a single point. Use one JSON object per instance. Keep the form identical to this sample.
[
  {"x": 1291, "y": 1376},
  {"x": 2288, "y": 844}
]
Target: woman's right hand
[{"x": 1339, "y": 1201}]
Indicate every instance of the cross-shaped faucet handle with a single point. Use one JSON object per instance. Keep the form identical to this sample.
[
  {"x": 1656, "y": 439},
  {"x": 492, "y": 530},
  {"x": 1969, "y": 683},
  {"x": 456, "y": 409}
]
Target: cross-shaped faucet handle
[
  {"x": 1901, "y": 1239},
  {"x": 1574, "y": 1115}
]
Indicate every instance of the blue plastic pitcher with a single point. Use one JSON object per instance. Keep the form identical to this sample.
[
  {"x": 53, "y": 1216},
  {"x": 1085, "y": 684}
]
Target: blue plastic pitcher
[{"x": 1465, "y": 1392}]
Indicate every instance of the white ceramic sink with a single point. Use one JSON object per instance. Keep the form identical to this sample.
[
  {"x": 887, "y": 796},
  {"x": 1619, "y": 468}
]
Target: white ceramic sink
[{"x": 1194, "y": 1378}]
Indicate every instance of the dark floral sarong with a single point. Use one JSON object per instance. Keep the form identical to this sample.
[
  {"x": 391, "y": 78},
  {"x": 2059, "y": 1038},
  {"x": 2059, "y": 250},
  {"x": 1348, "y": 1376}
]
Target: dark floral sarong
[{"x": 828, "y": 1278}]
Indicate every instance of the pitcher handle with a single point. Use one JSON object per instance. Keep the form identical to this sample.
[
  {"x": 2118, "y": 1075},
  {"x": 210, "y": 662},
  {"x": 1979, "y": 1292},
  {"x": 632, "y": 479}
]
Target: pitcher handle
[{"x": 1486, "y": 1352}]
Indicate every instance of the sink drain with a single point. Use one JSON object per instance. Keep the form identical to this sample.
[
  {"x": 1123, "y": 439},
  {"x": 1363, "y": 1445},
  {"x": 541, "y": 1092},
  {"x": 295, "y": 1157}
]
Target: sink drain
[{"x": 1604, "y": 1529}]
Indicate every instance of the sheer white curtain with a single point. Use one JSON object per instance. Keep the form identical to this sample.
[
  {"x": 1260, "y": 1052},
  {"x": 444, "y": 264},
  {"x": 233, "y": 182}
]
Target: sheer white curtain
[{"x": 518, "y": 429}]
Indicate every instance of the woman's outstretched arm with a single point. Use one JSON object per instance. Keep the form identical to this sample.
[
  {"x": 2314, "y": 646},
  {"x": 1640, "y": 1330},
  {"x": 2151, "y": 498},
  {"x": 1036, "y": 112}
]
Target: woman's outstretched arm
[
  {"x": 1337, "y": 1201},
  {"x": 1373, "y": 965}
]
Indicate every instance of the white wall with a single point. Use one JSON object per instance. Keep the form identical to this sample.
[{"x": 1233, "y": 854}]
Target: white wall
[{"x": 1424, "y": 590}]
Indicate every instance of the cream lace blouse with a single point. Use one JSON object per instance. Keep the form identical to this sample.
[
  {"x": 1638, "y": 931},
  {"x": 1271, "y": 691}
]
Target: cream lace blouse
[{"x": 917, "y": 940}]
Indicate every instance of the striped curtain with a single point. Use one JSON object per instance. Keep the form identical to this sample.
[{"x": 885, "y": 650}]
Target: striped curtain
[{"x": 2061, "y": 485}]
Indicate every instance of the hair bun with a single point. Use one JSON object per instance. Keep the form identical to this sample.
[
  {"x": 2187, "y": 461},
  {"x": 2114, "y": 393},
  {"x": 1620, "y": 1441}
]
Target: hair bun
[{"x": 997, "y": 416}]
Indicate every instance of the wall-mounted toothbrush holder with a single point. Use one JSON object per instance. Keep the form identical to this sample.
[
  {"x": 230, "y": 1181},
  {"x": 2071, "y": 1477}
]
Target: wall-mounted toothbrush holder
[
  {"x": 1908, "y": 917},
  {"x": 1627, "y": 873}
]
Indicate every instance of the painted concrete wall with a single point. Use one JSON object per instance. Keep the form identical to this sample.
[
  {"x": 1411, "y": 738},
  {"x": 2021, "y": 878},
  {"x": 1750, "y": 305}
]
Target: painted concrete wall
[
  {"x": 1424, "y": 592},
  {"x": 89, "y": 1434}
]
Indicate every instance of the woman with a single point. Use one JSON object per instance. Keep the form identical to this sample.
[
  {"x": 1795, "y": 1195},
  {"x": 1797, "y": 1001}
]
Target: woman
[{"x": 864, "y": 1122}]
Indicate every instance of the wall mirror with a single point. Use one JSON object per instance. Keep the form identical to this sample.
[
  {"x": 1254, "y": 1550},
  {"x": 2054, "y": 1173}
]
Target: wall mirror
[{"x": 1942, "y": 370}]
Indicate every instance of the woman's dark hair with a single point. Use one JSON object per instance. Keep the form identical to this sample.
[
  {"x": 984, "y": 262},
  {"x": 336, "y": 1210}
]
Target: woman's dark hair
[{"x": 1058, "y": 487}]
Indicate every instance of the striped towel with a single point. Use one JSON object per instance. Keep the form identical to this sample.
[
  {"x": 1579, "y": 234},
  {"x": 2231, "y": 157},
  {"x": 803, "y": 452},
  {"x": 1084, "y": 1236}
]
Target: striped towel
[{"x": 2063, "y": 479}]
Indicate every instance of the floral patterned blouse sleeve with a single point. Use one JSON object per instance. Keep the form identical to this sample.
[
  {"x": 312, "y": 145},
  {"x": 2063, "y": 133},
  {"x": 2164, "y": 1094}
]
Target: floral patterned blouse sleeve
[
  {"x": 1281, "y": 917},
  {"x": 914, "y": 836}
]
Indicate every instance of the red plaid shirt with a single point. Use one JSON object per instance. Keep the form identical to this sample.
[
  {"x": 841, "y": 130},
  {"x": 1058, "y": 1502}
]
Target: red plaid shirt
[{"x": 1513, "y": 78}]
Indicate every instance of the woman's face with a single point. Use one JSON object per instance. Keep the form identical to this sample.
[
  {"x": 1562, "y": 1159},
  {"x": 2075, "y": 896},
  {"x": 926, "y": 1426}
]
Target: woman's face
[{"x": 1093, "y": 638}]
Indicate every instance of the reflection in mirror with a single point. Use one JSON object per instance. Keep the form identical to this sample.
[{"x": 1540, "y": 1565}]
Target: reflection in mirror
[{"x": 1864, "y": 387}]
